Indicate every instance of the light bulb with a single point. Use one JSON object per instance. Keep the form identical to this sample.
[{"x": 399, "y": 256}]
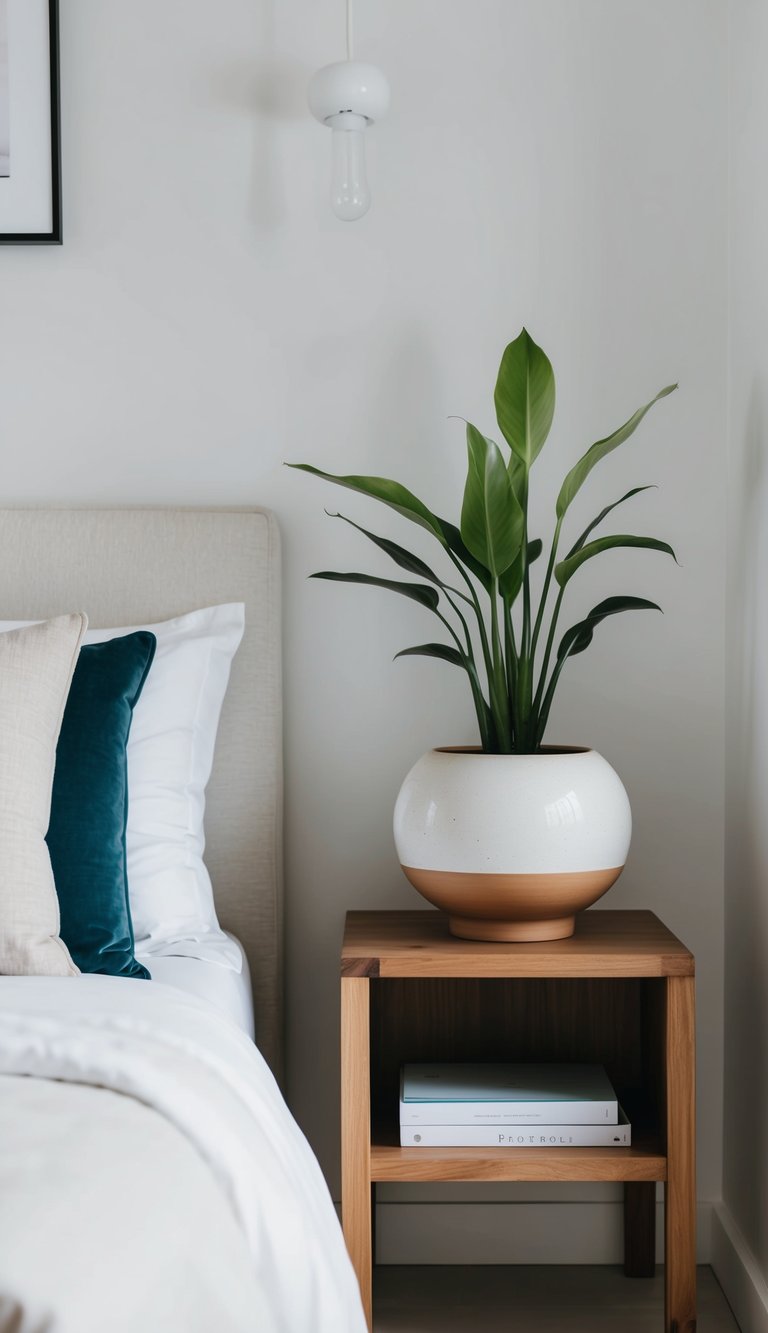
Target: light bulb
[
  {"x": 350, "y": 195},
  {"x": 347, "y": 97}
]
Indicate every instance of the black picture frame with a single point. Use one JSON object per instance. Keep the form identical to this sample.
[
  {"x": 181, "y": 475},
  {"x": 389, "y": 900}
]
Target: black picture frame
[{"x": 55, "y": 235}]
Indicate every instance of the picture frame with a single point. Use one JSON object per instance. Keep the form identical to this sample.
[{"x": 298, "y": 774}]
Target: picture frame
[{"x": 30, "y": 123}]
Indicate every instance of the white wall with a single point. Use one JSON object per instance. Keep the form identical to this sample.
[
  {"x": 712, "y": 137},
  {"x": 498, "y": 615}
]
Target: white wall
[
  {"x": 4, "y": 127},
  {"x": 745, "y": 1173},
  {"x": 552, "y": 162}
]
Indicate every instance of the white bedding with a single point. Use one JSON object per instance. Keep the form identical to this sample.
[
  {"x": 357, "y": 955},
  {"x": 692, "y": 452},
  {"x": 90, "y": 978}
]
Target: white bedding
[
  {"x": 192, "y": 1203},
  {"x": 227, "y": 990}
]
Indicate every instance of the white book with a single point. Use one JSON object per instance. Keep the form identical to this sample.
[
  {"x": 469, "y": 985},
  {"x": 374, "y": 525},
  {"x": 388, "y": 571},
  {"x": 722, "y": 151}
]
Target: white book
[
  {"x": 517, "y": 1136},
  {"x": 506, "y": 1094}
]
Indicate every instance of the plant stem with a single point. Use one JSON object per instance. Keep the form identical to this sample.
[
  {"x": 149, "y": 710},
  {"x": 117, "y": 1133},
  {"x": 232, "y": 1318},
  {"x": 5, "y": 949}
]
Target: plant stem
[
  {"x": 499, "y": 696},
  {"x": 487, "y": 658},
  {"x": 548, "y": 653},
  {"x": 523, "y": 683},
  {"x": 543, "y": 716},
  {"x": 545, "y": 590},
  {"x": 510, "y": 649},
  {"x": 475, "y": 604},
  {"x": 526, "y": 635},
  {"x": 481, "y": 707},
  {"x": 465, "y": 626}
]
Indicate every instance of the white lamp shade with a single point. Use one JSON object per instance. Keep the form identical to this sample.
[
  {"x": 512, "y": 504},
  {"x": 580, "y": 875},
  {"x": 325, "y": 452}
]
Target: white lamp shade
[{"x": 348, "y": 85}]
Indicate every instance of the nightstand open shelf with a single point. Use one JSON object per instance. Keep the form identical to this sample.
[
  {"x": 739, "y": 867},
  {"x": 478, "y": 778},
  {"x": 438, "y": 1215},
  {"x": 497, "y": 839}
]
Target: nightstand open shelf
[
  {"x": 389, "y": 1162},
  {"x": 619, "y": 993}
]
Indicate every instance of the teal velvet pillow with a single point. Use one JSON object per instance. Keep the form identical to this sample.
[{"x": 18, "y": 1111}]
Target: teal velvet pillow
[{"x": 89, "y": 806}]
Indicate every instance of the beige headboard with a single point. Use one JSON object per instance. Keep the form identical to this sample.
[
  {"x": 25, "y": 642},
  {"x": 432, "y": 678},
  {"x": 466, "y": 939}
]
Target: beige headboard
[{"x": 133, "y": 566}]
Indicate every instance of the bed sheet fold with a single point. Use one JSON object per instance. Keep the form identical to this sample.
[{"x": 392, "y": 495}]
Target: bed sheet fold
[{"x": 149, "y": 1167}]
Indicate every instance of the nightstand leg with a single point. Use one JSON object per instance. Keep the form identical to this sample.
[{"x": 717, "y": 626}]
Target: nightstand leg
[
  {"x": 356, "y": 1132},
  {"x": 640, "y": 1228},
  {"x": 680, "y": 1191}
]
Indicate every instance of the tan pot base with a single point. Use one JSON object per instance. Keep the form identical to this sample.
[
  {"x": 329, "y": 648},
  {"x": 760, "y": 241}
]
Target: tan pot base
[
  {"x": 518, "y": 932},
  {"x": 514, "y": 907}
]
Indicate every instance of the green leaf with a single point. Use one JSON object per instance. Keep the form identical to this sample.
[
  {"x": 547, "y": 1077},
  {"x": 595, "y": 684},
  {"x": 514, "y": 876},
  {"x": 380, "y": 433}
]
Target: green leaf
[
  {"x": 604, "y": 514},
  {"x": 463, "y": 660},
  {"x": 457, "y": 547},
  {"x": 578, "y": 474},
  {"x": 411, "y": 563},
  {"x": 518, "y": 475},
  {"x": 441, "y": 650},
  {"x": 525, "y": 399},
  {"x": 492, "y": 521},
  {"x": 388, "y": 492},
  {"x": 579, "y": 636},
  {"x": 416, "y": 591},
  {"x": 511, "y": 582},
  {"x": 567, "y": 568}
]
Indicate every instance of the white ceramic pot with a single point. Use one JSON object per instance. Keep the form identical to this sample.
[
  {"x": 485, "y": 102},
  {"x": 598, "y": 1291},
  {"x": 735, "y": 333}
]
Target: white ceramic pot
[{"x": 512, "y": 846}]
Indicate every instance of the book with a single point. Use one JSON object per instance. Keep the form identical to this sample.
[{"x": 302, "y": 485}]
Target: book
[
  {"x": 507, "y": 1094},
  {"x": 518, "y": 1136}
]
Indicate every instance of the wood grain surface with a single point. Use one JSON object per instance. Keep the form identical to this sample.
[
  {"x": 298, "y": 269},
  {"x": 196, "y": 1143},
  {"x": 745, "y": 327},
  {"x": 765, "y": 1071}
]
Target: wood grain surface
[
  {"x": 620, "y": 992},
  {"x": 605, "y": 944},
  {"x": 680, "y": 1193},
  {"x": 356, "y": 1134},
  {"x": 643, "y": 1161}
]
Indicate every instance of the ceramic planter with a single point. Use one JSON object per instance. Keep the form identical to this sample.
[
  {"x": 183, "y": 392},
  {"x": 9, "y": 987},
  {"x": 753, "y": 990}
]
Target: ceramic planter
[{"x": 512, "y": 846}]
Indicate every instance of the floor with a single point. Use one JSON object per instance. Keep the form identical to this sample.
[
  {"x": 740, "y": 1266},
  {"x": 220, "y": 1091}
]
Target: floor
[{"x": 497, "y": 1299}]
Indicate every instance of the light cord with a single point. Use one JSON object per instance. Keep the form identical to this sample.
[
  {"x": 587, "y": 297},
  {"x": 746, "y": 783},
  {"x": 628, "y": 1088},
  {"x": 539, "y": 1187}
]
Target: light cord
[{"x": 350, "y": 33}]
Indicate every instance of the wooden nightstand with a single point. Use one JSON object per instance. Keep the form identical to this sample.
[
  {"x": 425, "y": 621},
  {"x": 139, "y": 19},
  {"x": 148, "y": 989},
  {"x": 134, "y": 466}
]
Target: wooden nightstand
[{"x": 620, "y": 992}]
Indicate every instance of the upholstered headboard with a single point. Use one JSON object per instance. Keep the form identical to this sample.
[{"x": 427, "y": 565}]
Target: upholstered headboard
[{"x": 133, "y": 566}]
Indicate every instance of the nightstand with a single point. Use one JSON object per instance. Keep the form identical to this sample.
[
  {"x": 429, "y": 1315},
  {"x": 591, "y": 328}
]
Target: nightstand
[{"x": 619, "y": 992}]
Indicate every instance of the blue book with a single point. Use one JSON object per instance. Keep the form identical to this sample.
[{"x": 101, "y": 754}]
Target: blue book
[{"x": 507, "y": 1094}]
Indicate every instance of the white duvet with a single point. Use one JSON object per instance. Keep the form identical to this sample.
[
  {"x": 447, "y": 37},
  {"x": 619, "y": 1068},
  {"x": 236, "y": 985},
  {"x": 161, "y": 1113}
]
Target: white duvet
[{"x": 160, "y": 1183}]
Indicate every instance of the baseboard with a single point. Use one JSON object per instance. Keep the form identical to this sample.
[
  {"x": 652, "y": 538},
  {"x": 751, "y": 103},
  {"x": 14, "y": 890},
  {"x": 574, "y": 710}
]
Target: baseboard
[
  {"x": 738, "y": 1273},
  {"x": 506, "y": 1232}
]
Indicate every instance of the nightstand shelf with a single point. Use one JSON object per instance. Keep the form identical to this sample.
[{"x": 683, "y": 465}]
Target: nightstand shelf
[
  {"x": 620, "y": 992},
  {"x": 644, "y": 1160},
  {"x": 389, "y": 1162}
]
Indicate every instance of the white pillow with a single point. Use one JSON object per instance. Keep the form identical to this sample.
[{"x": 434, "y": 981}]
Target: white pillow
[
  {"x": 36, "y": 668},
  {"x": 170, "y": 755}
]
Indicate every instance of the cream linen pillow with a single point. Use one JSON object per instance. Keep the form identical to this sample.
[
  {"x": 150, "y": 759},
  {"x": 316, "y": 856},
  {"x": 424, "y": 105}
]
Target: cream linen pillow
[
  {"x": 170, "y": 756},
  {"x": 36, "y": 668}
]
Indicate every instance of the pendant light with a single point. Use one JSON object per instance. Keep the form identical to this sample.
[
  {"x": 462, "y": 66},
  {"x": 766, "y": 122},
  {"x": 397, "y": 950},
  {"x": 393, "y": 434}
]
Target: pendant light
[{"x": 348, "y": 96}]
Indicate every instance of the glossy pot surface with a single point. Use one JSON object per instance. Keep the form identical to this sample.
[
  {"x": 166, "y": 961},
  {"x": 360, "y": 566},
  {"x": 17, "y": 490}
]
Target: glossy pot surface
[{"x": 512, "y": 846}]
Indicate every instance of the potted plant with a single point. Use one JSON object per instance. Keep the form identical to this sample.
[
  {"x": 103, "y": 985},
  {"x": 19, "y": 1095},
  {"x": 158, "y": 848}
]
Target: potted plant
[{"x": 512, "y": 837}]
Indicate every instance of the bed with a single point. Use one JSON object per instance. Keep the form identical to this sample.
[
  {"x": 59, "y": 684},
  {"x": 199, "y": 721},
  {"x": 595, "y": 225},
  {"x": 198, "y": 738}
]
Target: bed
[{"x": 151, "y": 1175}]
